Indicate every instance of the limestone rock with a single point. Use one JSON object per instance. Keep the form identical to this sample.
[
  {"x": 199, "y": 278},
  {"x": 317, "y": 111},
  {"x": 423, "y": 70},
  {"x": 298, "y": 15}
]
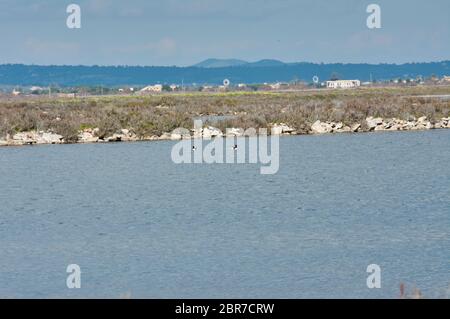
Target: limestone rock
[
  {"x": 321, "y": 128},
  {"x": 356, "y": 127},
  {"x": 344, "y": 129},
  {"x": 373, "y": 123},
  {"x": 88, "y": 136},
  {"x": 211, "y": 132},
  {"x": 50, "y": 138},
  {"x": 25, "y": 138},
  {"x": 276, "y": 130},
  {"x": 235, "y": 132}
]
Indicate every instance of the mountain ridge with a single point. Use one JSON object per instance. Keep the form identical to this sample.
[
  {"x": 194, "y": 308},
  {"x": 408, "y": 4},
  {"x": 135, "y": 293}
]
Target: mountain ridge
[{"x": 223, "y": 63}]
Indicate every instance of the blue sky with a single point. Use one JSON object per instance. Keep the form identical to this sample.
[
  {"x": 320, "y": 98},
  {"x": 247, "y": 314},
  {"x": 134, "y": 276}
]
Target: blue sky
[{"x": 184, "y": 32}]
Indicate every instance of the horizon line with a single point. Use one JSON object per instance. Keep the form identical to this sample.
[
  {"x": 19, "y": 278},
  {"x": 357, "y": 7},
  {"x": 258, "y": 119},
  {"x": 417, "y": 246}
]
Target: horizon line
[{"x": 231, "y": 66}]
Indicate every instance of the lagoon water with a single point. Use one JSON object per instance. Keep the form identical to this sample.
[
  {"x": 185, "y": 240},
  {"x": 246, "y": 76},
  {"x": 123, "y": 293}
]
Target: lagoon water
[{"x": 140, "y": 225}]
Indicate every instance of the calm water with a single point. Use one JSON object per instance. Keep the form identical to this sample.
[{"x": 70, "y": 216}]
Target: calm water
[{"x": 136, "y": 223}]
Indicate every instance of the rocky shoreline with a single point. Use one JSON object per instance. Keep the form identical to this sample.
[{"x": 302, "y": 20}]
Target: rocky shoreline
[{"x": 88, "y": 136}]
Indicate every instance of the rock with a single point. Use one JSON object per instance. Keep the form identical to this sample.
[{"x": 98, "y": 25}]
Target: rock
[
  {"x": 131, "y": 137},
  {"x": 422, "y": 119},
  {"x": 276, "y": 130},
  {"x": 355, "y": 127},
  {"x": 180, "y": 134},
  {"x": 345, "y": 129},
  {"x": 235, "y": 132},
  {"x": 114, "y": 138},
  {"x": 321, "y": 128},
  {"x": 396, "y": 127},
  {"x": 373, "y": 123},
  {"x": 287, "y": 129},
  {"x": 51, "y": 138},
  {"x": 439, "y": 125},
  {"x": 176, "y": 137},
  {"x": 423, "y": 124},
  {"x": 443, "y": 123},
  {"x": 87, "y": 136},
  {"x": 165, "y": 136},
  {"x": 25, "y": 138},
  {"x": 211, "y": 132},
  {"x": 280, "y": 129},
  {"x": 392, "y": 125},
  {"x": 125, "y": 135},
  {"x": 29, "y": 138},
  {"x": 389, "y": 125},
  {"x": 399, "y": 125},
  {"x": 409, "y": 125},
  {"x": 197, "y": 133}
]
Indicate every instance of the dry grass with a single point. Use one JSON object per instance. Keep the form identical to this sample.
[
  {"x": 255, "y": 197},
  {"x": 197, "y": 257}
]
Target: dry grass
[{"x": 153, "y": 115}]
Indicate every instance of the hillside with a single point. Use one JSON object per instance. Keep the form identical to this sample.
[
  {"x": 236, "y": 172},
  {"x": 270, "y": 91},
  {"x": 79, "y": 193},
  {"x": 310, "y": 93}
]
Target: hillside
[{"x": 265, "y": 71}]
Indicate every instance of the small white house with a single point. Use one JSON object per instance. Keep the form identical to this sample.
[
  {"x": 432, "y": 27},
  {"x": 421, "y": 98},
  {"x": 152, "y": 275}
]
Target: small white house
[{"x": 343, "y": 84}]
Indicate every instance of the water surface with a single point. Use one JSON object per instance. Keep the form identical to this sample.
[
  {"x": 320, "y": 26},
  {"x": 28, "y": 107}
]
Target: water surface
[{"x": 137, "y": 223}]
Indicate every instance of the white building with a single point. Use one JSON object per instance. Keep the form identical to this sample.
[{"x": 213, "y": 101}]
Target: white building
[
  {"x": 446, "y": 79},
  {"x": 153, "y": 88},
  {"x": 36, "y": 89},
  {"x": 343, "y": 84},
  {"x": 275, "y": 86}
]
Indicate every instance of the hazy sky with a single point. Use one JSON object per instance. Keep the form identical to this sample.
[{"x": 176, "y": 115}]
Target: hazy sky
[{"x": 184, "y": 32}]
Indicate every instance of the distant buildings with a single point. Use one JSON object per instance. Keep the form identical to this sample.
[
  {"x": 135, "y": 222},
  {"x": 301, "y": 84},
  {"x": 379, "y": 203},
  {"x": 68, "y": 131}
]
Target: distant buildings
[
  {"x": 343, "y": 84},
  {"x": 446, "y": 79},
  {"x": 36, "y": 89},
  {"x": 153, "y": 89}
]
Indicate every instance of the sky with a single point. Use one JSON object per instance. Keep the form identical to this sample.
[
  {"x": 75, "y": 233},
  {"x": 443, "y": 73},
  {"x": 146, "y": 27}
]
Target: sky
[{"x": 185, "y": 32}]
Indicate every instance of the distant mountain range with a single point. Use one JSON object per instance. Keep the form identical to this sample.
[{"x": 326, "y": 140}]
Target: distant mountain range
[
  {"x": 225, "y": 63},
  {"x": 212, "y": 71},
  {"x": 220, "y": 63}
]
